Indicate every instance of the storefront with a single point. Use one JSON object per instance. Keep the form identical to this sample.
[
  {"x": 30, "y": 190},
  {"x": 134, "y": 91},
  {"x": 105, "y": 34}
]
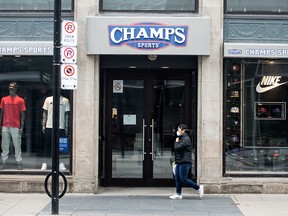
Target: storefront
[
  {"x": 255, "y": 114},
  {"x": 143, "y": 68},
  {"x": 30, "y": 65},
  {"x": 148, "y": 73},
  {"x": 140, "y": 73}
]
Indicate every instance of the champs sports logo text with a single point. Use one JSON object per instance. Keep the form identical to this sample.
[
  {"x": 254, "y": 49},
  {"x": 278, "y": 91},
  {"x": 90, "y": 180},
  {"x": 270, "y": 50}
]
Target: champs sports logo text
[{"x": 148, "y": 35}]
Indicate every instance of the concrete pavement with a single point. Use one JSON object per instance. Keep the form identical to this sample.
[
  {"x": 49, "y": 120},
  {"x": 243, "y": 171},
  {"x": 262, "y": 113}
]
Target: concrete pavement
[
  {"x": 262, "y": 204},
  {"x": 144, "y": 202},
  {"x": 12, "y": 204}
]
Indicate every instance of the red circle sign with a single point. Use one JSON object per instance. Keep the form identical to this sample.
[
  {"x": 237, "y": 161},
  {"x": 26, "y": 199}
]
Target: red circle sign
[
  {"x": 69, "y": 27},
  {"x": 69, "y": 70},
  {"x": 69, "y": 53}
]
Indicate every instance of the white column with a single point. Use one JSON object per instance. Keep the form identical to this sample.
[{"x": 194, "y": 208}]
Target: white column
[
  {"x": 210, "y": 85},
  {"x": 86, "y": 107}
]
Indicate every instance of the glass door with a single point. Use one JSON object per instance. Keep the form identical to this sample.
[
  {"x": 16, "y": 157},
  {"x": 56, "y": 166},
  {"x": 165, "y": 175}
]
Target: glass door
[
  {"x": 128, "y": 128},
  {"x": 167, "y": 114},
  {"x": 145, "y": 109}
]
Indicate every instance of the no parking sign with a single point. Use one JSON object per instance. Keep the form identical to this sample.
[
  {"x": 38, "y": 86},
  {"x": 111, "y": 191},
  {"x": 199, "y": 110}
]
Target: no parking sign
[
  {"x": 69, "y": 33},
  {"x": 69, "y": 55},
  {"x": 69, "y": 76}
]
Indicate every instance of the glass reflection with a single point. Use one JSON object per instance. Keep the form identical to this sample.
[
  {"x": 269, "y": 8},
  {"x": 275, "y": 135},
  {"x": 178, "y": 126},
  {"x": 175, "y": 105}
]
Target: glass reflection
[
  {"x": 254, "y": 6},
  {"x": 148, "y": 5},
  {"x": 33, "y": 77},
  {"x": 33, "y": 5},
  {"x": 256, "y": 125},
  {"x": 127, "y": 128}
]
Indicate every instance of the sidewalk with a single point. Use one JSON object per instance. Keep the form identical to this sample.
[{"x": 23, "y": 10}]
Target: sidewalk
[
  {"x": 262, "y": 204},
  {"x": 144, "y": 202}
]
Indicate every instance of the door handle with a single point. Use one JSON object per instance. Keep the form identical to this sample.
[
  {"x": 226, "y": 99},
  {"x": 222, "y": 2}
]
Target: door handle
[
  {"x": 143, "y": 142},
  {"x": 152, "y": 139}
]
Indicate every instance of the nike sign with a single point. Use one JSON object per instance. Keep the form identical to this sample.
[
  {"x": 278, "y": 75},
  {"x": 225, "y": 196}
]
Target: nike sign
[{"x": 270, "y": 82}]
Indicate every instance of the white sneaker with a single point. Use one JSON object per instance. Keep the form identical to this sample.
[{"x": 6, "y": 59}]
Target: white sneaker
[
  {"x": 44, "y": 166},
  {"x": 62, "y": 167},
  {"x": 201, "y": 191},
  {"x": 175, "y": 196}
]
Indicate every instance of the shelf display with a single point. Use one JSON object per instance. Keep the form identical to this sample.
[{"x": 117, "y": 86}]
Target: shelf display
[
  {"x": 233, "y": 105},
  {"x": 270, "y": 110},
  {"x": 255, "y": 122}
]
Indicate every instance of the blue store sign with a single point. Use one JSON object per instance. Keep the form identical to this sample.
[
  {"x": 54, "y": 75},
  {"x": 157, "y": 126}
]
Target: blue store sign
[{"x": 64, "y": 144}]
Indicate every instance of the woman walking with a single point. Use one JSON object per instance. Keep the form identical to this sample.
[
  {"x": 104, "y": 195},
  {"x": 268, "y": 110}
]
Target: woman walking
[{"x": 183, "y": 161}]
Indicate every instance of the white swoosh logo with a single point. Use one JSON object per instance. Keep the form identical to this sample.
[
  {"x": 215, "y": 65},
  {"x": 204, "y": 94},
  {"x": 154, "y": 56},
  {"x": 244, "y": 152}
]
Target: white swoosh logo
[{"x": 260, "y": 89}]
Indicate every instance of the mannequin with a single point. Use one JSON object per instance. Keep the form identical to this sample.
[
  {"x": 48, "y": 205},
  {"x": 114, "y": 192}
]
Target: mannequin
[
  {"x": 12, "y": 116},
  {"x": 47, "y": 124}
]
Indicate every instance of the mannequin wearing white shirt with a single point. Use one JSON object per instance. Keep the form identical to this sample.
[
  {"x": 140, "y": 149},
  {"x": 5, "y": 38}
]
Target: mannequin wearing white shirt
[{"x": 47, "y": 124}]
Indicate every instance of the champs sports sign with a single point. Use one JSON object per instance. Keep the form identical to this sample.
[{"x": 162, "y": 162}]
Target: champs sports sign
[
  {"x": 112, "y": 35},
  {"x": 148, "y": 35}
]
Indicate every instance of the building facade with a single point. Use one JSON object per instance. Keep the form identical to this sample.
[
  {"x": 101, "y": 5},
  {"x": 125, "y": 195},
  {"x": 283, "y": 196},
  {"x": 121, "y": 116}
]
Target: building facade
[{"x": 143, "y": 67}]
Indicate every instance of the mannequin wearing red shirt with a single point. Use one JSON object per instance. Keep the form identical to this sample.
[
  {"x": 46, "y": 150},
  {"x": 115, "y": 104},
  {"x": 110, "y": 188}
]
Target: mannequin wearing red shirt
[{"x": 12, "y": 116}]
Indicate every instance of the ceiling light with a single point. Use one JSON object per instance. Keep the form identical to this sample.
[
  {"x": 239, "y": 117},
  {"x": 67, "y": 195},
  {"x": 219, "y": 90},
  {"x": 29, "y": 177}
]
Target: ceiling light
[{"x": 152, "y": 57}]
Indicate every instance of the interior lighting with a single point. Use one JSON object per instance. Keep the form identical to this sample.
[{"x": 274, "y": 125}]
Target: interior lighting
[{"x": 152, "y": 57}]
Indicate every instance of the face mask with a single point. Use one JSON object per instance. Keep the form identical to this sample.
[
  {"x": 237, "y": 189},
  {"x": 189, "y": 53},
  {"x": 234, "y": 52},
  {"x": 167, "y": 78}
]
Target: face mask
[{"x": 178, "y": 133}]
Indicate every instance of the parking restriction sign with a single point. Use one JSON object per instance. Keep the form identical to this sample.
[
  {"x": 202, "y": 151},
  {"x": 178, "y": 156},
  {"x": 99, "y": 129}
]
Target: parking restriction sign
[
  {"x": 69, "y": 76},
  {"x": 69, "y": 33},
  {"x": 69, "y": 55}
]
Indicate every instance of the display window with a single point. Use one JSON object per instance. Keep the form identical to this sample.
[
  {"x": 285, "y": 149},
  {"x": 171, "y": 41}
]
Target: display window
[
  {"x": 255, "y": 124},
  {"x": 26, "y": 120},
  {"x": 34, "y": 5},
  {"x": 149, "y": 6},
  {"x": 279, "y": 7}
]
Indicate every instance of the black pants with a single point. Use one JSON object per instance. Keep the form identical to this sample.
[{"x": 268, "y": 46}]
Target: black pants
[{"x": 47, "y": 151}]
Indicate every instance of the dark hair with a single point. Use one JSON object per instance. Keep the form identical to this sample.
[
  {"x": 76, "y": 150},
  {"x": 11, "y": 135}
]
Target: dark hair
[
  {"x": 186, "y": 128},
  {"x": 183, "y": 126},
  {"x": 13, "y": 85}
]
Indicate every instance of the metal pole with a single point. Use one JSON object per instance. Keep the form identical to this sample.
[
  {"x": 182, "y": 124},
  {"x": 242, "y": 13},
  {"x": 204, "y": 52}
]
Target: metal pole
[{"x": 56, "y": 102}]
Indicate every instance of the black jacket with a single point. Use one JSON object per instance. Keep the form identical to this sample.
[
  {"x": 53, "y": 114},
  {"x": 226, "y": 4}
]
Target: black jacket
[{"x": 183, "y": 150}]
